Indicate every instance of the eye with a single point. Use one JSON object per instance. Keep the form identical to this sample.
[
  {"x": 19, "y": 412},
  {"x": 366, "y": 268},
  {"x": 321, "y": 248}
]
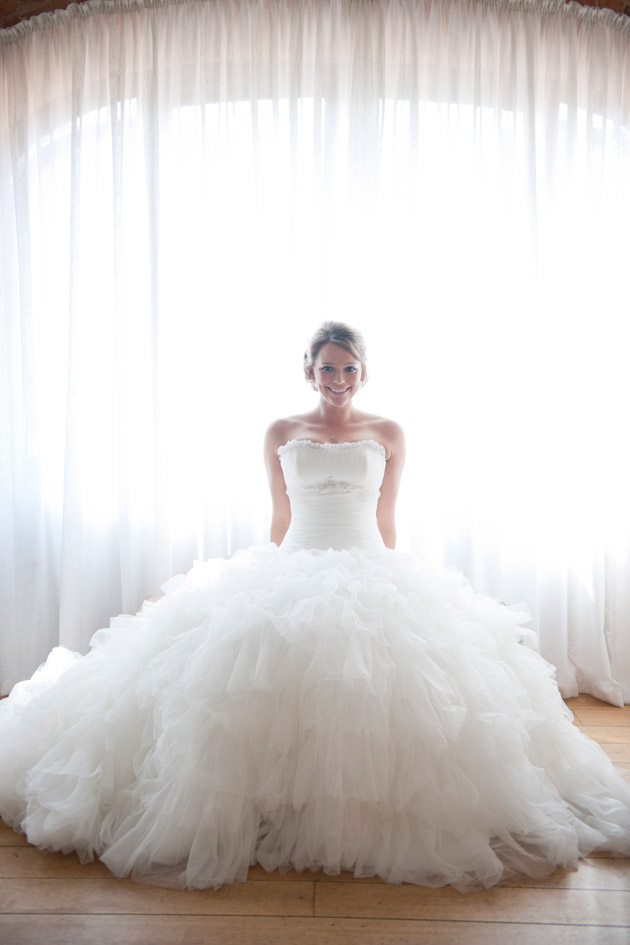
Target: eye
[
  {"x": 326, "y": 367},
  {"x": 351, "y": 370}
]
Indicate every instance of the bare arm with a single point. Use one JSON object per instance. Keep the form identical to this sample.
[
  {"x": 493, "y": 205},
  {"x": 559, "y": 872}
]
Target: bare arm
[
  {"x": 386, "y": 508},
  {"x": 280, "y": 506}
]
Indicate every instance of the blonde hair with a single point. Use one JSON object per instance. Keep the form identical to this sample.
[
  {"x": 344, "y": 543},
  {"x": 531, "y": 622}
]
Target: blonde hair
[{"x": 336, "y": 333}]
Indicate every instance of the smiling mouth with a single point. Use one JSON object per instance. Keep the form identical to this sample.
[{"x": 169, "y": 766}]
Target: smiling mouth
[{"x": 333, "y": 391}]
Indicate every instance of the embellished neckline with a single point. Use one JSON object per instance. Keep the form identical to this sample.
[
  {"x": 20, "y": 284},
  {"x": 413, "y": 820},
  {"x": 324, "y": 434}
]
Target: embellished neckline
[{"x": 346, "y": 444}]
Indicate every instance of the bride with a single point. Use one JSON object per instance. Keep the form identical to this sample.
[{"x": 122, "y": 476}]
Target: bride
[
  {"x": 335, "y": 365},
  {"x": 322, "y": 701}
]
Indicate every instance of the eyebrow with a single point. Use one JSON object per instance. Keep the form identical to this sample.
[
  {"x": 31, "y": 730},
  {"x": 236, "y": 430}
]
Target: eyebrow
[{"x": 346, "y": 363}]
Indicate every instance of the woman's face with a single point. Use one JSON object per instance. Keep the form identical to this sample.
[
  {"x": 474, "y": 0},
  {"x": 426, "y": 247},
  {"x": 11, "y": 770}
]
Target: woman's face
[{"x": 336, "y": 374}]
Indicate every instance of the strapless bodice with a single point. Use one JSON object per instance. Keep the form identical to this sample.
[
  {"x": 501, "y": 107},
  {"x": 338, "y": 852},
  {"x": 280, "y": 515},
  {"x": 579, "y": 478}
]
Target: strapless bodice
[{"x": 333, "y": 489}]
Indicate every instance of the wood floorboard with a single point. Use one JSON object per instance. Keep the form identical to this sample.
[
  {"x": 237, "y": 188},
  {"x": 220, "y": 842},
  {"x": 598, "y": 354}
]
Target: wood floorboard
[
  {"x": 610, "y": 715},
  {"x": 51, "y": 899},
  {"x": 122, "y": 896},
  {"x": 620, "y": 753},
  {"x": 601, "y": 872},
  {"x": 26, "y": 862},
  {"x": 548, "y": 906},
  {"x": 607, "y": 734},
  {"x": 11, "y": 838},
  {"x": 585, "y": 699},
  {"x": 257, "y": 930}
]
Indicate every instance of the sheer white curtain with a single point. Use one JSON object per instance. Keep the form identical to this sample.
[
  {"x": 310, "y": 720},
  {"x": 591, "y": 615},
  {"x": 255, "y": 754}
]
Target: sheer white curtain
[{"x": 188, "y": 189}]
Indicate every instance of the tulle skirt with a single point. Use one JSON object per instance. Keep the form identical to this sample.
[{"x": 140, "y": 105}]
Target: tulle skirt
[{"x": 344, "y": 710}]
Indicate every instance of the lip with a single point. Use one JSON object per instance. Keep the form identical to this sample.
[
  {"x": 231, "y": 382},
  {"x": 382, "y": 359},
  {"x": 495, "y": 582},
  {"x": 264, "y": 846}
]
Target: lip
[{"x": 338, "y": 392}]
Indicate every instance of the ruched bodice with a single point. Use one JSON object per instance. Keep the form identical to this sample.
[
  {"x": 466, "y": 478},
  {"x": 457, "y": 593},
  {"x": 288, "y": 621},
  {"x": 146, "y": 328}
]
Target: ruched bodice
[{"x": 334, "y": 490}]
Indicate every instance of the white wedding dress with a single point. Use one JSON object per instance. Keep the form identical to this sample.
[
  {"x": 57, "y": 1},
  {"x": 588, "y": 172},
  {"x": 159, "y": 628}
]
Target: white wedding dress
[{"x": 327, "y": 704}]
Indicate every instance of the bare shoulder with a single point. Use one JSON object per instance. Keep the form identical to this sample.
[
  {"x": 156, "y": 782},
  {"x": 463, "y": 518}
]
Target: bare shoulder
[
  {"x": 393, "y": 438},
  {"x": 277, "y": 433},
  {"x": 389, "y": 433},
  {"x": 392, "y": 431},
  {"x": 281, "y": 430}
]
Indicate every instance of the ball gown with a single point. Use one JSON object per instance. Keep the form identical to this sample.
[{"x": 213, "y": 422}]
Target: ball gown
[{"x": 329, "y": 703}]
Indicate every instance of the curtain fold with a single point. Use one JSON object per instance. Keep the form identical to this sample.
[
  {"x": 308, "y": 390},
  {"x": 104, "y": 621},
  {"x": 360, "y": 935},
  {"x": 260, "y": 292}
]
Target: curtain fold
[{"x": 188, "y": 189}]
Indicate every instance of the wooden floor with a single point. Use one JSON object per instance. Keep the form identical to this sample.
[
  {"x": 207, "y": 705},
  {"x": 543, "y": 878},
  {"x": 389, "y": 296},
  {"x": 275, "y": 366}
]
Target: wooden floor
[{"x": 50, "y": 899}]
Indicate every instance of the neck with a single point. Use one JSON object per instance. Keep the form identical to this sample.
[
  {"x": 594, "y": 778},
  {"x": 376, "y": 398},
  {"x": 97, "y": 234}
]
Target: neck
[{"x": 334, "y": 418}]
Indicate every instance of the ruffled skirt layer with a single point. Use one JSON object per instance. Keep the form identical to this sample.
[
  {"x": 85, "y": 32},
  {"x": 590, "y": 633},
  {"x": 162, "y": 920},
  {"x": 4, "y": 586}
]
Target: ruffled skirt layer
[{"x": 343, "y": 710}]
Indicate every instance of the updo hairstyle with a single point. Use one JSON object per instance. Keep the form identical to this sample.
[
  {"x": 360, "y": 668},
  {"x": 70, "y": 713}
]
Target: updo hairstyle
[{"x": 336, "y": 333}]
